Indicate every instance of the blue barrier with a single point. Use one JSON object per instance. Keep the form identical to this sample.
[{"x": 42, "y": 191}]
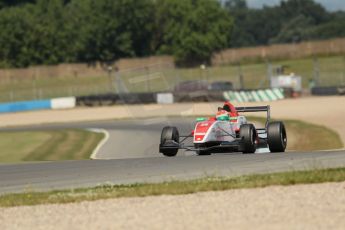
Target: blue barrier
[{"x": 25, "y": 106}]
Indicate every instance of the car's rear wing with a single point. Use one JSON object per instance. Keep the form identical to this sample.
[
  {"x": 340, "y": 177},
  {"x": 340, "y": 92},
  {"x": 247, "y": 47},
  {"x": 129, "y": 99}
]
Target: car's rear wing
[{"x": 250, "y": 109}]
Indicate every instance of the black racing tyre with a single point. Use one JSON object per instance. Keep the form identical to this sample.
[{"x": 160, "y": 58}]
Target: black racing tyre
[
  {"x": 248, "y": 135},
  {"x": 276, "y": 136},
  {"x": 169, "y": 134}
]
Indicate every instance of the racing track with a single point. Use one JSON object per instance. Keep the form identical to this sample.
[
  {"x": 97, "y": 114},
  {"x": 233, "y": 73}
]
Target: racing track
[{"x": 132, "y": 153}]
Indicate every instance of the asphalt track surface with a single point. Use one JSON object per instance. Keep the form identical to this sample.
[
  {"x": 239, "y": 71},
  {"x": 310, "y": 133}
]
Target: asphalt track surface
[{"x": 131, "y": 156}]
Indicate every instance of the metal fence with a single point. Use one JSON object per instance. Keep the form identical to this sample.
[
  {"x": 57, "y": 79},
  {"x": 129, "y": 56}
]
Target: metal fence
[
  {"x": 150, "y": 78},
  {"x": 162, "y": 77}
]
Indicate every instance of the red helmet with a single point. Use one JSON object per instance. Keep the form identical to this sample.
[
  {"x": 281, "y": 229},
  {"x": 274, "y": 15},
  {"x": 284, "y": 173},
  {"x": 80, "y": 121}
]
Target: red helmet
[{"x": 230, "y": 108}]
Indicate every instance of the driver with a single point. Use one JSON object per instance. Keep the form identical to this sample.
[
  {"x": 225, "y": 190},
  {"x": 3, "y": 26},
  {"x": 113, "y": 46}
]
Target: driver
[{"x": 222, "y": 115}]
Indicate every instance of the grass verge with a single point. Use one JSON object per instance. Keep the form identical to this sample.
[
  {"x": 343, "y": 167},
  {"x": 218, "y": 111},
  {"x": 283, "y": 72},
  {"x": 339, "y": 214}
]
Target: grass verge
[
  {"x": 303, "y": 136},
  {"x": 173, "y": 188},
  {"x": 69, "y": 144}
]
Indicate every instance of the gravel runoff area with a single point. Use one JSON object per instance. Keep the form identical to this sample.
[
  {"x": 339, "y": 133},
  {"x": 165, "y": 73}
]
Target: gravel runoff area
[{"x": 318, "y": 206}]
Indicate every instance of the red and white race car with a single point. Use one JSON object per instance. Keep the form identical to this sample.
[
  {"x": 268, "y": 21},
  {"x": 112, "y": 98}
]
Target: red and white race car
[{"x": 228, "y": 131}]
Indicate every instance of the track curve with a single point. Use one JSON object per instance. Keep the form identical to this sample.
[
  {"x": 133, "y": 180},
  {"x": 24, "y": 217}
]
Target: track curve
[{"x": 132, "y": 160}]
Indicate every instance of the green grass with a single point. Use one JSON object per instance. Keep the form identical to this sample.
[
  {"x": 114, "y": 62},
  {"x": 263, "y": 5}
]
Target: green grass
[
  {"x": 331, "y": 71},
  {"x": 309, "y": 137},
  {"x": 51, "y": 145},
  {"x": 174, "y": 187},
  {"x": 303, "y": 136}
]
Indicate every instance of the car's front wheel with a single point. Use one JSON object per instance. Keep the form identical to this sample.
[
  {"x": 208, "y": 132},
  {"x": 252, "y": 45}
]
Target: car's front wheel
[
  {"x": 248, "y": 136},
  {"x": 276, "y": 136},
  {"x": 169, "y": 134}
]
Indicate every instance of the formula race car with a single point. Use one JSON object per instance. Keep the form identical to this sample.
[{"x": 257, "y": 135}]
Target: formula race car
[{"x": 228, "y": 131}]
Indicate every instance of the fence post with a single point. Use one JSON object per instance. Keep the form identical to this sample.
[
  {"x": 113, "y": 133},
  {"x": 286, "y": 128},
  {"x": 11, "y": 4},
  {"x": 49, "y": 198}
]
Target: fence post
[
  {"x": 40, "y": 93},
  {"x": 343, "y": 75},
  {"x": 120, "y": 86},
  {"x": 34, "y": 94},
  {"x": 110, "y": 70},
  {"x": 11, "y": 96},
  {"x": 71, "y": 91},
  {"x": 34, "y": 88},
  {"x": 269, "y": 72},
  {"x": 240, "y": 75},
  {"x": 148, "y": 88},
  {"x": 316, "y": 71}
]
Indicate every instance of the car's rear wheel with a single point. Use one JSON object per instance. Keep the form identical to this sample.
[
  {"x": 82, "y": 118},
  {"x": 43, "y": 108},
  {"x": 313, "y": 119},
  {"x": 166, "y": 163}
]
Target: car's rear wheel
[
  {"x": 276, "y": 136},
  {"x": 169, "y": 134},
  {"x": 248, "y": 136}
]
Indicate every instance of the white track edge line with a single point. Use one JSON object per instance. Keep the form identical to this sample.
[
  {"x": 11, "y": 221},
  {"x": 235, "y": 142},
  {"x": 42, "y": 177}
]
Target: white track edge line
[{"x": 101, "y": 143}]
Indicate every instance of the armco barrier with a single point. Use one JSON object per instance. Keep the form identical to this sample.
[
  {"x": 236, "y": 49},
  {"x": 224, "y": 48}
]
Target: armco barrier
[
  {"x": 255, "y": 95},
  {"x": 138, "y": 98},
  {"x": 198, "y": 96},
  {"x": 341, "y": 90},
  {"x": 328, "y": 91},
  {"x": 24, "y": 106},
  {"x": 56, "y": 103},
  {"x": 109, "y": 99},
  {"x": 96, "y": 100},
  {"x": 144, "y": 98}
]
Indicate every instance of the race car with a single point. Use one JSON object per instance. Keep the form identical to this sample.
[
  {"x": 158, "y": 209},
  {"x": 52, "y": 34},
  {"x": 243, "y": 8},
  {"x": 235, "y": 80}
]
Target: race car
[{"x": 228, "y": 131}]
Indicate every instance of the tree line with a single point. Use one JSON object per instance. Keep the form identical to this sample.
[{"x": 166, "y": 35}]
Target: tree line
[
  {"x": 35, "y": 32},
  {"x": 291, "y": 21}
]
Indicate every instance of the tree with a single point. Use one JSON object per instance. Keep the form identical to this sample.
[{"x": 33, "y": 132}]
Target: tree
[
  {"x": 191, "y": 30},
  {"x": 51, "y": 40},
  {"x": 14, "y": 40},
  {"x": 55, "y": 31},
  {"x": 332, "y": 29},
  {"x": 35, "y": 32},
  {"x": 288, "y": 21},
  {"x": 309, "y": 8},
  {"x": 294, "y": 30},
  {"x": 110, "y": 30},
  {"x": 7, "y": 3},
  {"x": 240, "y": 11},
  {"x": 252, "y": 26}
]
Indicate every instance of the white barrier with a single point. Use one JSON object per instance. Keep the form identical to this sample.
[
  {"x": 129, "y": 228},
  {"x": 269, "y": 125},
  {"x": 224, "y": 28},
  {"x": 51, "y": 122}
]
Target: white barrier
[
  {"x": 165, "y": 98},
  {"x": 255, "y": 95},
  {"x": 63, "y": 103}
]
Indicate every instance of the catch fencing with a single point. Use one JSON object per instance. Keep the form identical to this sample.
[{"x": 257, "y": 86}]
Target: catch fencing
[{"x": 164, "y": 76}]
